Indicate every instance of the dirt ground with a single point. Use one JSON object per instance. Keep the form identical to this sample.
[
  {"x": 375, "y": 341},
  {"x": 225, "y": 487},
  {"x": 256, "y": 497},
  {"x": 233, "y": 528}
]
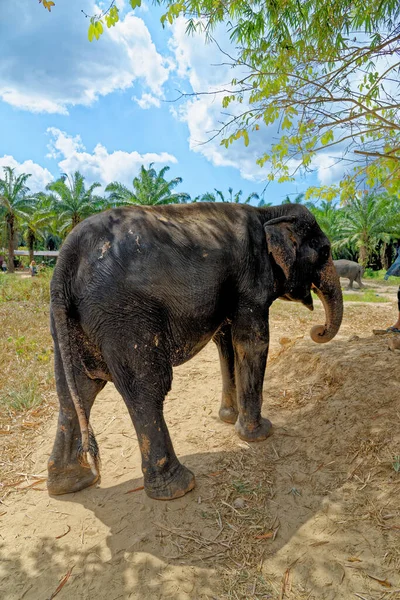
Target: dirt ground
[{"x": 311, "y": 513}]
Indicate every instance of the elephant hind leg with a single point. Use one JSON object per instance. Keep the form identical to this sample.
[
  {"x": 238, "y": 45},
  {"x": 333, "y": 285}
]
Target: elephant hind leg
[
  {"x": 143, "y": 378},
  {"x": 66, "y": 473}
]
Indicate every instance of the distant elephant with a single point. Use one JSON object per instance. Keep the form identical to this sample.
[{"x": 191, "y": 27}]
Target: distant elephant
[
  {"x": 139, "y": 290},
  {"x": 351, "y": 270}
]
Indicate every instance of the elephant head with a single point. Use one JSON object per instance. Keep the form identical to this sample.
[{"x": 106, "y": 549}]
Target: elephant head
[{"x": 301, "y": 260}]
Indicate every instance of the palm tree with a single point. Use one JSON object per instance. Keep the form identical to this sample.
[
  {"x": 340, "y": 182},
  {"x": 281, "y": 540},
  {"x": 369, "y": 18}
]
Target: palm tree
[
  {"x": 149, "y": 188},
  {"x": 233, "y": 198},
  {"x": 367, "y": 220},
  {"x": 298, "y": 200},
  {"x": 328, "y": 217},
  {"x": 37, "y": 219},
  {"x": 14, "y": 204},
  {"x": 72, "y": 201}
]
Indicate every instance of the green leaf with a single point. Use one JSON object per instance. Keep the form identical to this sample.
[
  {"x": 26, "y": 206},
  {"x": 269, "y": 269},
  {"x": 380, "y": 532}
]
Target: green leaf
[
  {"x": 135, "y": 3},
  {"x": 327, "y": 137},
  {"x": 286, "y": 123},
  {"x": 91, "y": 32}
]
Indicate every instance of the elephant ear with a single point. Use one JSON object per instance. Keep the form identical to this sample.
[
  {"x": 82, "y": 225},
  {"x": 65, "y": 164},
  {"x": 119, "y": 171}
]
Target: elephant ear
[{"x": 281, "y": 242}]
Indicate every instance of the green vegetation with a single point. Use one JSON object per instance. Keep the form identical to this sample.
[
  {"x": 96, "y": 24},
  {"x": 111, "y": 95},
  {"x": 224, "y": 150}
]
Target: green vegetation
[
  {"x": 236, "y": 198},
  {"x": 72, "y": 202},
  {"x": 364, "y": 229},
  {"x": 15, "y": 288},
  {"x": 14, "y": 205},
  {"x": 26, "y": 352},
  {"x": 364, "y": 296},
  {"x": 149, "y": 188}
]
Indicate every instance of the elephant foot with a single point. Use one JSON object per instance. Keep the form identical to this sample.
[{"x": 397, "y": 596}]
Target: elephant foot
[
  {"x": 69, "y": 480},
  {"x": 167, "y": 487},
  {"x": 228, "y": 414},
  {"x": 254, "y": 433}
]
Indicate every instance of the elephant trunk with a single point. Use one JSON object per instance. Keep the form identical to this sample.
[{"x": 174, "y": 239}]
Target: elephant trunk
[{"x": 330, "y": 294}]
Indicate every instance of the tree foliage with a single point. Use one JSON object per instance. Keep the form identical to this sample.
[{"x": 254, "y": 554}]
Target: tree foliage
[
  {"x": 235, "y": 198},
  {"x": 47, "y": 4},
  {"x": 149, "y": 188},
  {"x": 363, "y": 227},
  {"x": 72, "y": 201},
  {"x": 325, "y": 73},
  {"x": 15, "y": 202}
]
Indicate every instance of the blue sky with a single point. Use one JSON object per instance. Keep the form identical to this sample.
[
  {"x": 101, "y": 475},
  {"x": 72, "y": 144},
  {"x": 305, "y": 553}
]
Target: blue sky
[{"x": 107, "y": 107}]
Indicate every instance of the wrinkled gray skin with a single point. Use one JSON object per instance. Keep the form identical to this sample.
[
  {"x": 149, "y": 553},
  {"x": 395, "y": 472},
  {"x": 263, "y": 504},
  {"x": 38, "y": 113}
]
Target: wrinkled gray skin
[
  {"x": 351, "y": 270},
  {"x": 139, "y": 290}
]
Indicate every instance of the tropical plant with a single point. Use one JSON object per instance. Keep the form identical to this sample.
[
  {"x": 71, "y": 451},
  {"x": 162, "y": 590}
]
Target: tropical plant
[
  {"x": 15, "y": 203},
  {"x": 236, "y": 198},
  {"x": 366, "y": 220},
  {"x": 37, "y": 220},
  {"x": 298, "y": 200},
  {"x": 231, "y": 197},
  {"x": 328, "y": 216},
  {"x": 72, "y": 201},
  {"x": 149, "y": 188}
]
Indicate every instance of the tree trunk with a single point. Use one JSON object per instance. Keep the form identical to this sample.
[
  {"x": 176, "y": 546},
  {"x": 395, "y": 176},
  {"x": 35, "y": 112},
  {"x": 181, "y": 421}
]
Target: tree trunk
[
  {"x": 11, "y": 236},
  {"x": 31, "y": 243},
  {"x": 390, "y": 252},
  {"x": 363, "y": 256},
  {"x": 75, "y": 220}
]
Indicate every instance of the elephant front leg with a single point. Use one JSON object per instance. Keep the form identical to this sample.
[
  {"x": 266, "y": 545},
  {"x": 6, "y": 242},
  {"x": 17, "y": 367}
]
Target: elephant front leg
[
  {"x": 228, "y": 411},
  {"x": 360, "y": 283},
  {"x": 251, "y": 351}
]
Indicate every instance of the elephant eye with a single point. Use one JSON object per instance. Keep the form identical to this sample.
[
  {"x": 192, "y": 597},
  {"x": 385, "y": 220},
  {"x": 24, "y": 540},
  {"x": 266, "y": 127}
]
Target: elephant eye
[
  {"x": 323, "y": 253},
  {"x": 313, "y": 243}
]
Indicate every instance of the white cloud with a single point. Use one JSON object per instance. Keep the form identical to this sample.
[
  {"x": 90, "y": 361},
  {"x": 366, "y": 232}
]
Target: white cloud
[
  {"x": 147, "y": 101},
  {"x": 200, "y": 65},
  {"x": 203, "y": 69},
  {"x": 143, "y": 8},
  {"x": 329, "y": 166},
  {"x": 49, "y": 71},
  {"x": 100, "y": 165},
  {"x": 40, "y": 176}
]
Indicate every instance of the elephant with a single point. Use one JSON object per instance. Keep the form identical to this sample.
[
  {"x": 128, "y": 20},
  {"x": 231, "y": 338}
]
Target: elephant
[
  {"x": 138, "y": 290},
  {"x": 350, "y": 269}
]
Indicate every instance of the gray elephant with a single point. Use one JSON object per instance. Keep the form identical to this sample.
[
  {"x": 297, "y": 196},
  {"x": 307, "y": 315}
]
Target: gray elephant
[
  {"x": 351, "y": 270},
  {"x": 139, "y": 290}
]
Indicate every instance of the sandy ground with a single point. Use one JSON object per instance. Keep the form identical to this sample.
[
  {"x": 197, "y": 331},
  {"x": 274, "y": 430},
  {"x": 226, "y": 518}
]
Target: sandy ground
[{"x": 313, "y": 512}]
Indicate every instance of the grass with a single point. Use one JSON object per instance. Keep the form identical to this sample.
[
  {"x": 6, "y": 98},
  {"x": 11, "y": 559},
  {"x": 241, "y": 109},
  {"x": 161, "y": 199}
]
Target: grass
[
  {"x": 364, "y": 296},
  {"x": 361, "y": 296},
  {"x": 17, "y": 288},
  {"x": 25, "y": 354},
  {"x": 378, "y": 277},
  {"x": 27, "y": 387},
  {"x": 25, "y": 398}
]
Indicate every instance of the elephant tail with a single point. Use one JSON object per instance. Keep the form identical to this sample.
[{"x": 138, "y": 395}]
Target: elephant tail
[
  {"x": 88, "y": 451},
  {"x": 362, "y": 269}
]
